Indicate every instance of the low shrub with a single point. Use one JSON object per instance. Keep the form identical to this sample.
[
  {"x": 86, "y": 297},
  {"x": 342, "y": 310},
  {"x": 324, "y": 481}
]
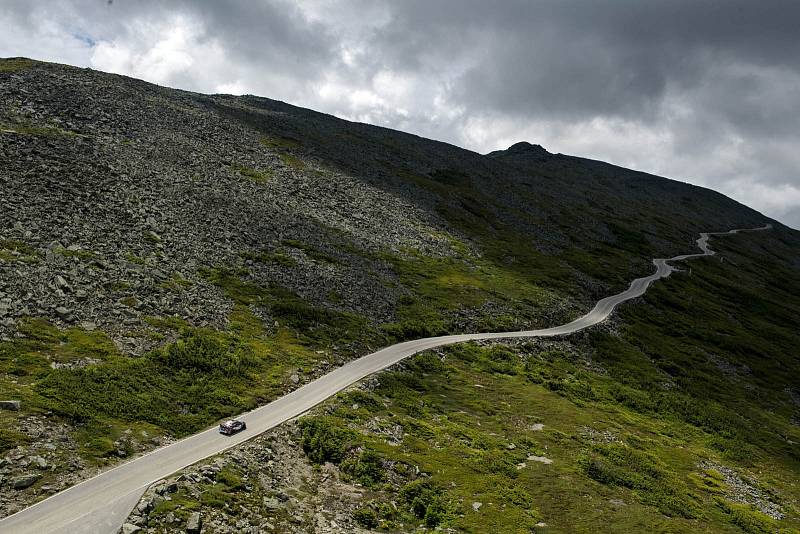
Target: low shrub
[{"x": 324, "y": 441}]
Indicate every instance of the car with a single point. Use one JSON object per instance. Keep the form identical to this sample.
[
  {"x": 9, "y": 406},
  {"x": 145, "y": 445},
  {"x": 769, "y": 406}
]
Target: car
[{"x": 232, "y": 427}]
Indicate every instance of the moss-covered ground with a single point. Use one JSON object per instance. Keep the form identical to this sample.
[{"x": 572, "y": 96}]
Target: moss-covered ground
[{"x": 698, "y": 374}]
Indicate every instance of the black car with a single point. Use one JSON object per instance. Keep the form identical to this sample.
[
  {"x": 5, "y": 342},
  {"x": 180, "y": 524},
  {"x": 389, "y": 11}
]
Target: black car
[{"x": 232, "y": 427}]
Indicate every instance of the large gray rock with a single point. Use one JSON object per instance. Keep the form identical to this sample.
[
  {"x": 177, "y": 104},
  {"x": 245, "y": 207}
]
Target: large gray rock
[
  {"x": 193, "y": 525},
  {"x": 24, "y": 481},
  {"x": 129, "y": 528},
  {"x": 38, "y": 461},
  {"x": 10, "y": 405}
]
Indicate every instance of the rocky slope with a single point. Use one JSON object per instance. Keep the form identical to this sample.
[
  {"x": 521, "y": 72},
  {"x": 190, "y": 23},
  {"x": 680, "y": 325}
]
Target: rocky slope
[{"x": 114, "y": 191}]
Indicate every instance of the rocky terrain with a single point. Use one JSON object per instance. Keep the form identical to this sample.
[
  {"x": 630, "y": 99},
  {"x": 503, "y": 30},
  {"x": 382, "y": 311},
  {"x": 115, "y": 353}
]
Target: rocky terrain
[
  {"x": 265, "y": 485},
  {"x": 169, "y": 259},
  {"x": 116, "y": 191}
]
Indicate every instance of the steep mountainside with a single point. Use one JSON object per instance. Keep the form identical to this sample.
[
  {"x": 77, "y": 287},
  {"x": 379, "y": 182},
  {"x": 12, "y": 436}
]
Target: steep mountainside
[{"x": 169, "y": 258}]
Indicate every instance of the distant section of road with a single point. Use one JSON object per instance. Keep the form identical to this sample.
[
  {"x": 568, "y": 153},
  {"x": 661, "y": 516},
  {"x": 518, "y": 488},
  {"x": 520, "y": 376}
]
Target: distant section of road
[{"x": 101, "y": 504}]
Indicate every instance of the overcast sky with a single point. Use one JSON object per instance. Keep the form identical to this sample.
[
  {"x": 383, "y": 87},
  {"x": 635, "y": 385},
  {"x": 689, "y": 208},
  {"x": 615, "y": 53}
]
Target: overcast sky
[{"x": 701, "y": 91}]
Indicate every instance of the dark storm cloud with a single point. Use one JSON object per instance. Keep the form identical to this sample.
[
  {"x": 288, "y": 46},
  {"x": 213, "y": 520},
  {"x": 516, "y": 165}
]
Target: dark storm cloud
[
  {"x": 591, "y": 58},
  {"x": 706, "y": 91}
]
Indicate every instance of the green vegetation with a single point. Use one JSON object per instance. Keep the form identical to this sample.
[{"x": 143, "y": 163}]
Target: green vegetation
[
  {"x": 292, "y": 161},
  {"x": 152, "y": 238},
  {"x": 259, "y": 177},
  {"x": 130, "y": 302},
  {"x": 310, "y": 251},
  {"x": 181, "y": 387},
  {"x": 133, "y": 258},
  {"x": 749, "y": 520},
  {"x": 325, "y": 442},
  {"x": 627, "y": 429},
  {"x": 84, "y": 255},
  {"x": 15, "y": 64},
  {"x": 314, "y": 326},
  {"x": 468, "y": 420},
  {"x": 441, "y": 286},
  {"x": 17, "y": 246},
  {"x": 176, "y": 282},
  {"x": 225, "y": 492},
  {"x": 13, "y": 250},
  {"x": 280, "y": 143},
  {"x": 616, "y": 464},
  {"x": 167, "y": 323},
  {"x": 277, "y": 257},
  {"x": 39, "y": 130},
  {"x": 505, "y": 236},
  {"x": 10, "y": 439}
]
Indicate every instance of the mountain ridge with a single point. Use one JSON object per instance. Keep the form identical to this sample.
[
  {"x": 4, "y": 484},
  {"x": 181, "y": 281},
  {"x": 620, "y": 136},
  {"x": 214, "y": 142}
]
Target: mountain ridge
[{"x": 170, "y": 258}]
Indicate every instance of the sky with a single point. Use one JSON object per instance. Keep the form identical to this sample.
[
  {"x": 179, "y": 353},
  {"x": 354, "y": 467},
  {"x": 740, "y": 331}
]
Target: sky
[{"x": 702, "y": 91}]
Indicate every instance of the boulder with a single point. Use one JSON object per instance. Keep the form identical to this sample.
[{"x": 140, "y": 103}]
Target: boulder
[
  {"x": 61, "y": 283},
  {"x": 193, "y": 525},
  {"x": 129, "y": 528},
  {"x": 24, "y": 481},
  {"x": 38, "y": 461},
  {"x": 10, "y": 405}
]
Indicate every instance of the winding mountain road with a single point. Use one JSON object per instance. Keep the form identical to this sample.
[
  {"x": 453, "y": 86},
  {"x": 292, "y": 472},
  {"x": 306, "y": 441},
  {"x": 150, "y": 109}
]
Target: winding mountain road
[{"x": 102, "y": 503}]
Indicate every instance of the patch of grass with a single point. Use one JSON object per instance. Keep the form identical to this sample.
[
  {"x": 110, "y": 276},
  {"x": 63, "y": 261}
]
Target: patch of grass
[
  {"x": 316, "y": 326},
  {"x": 280, "y": 143},
  {"x": 167, "y": 323},
  {"x": 749, "y": 519},
  {"x": 440, "y": 287},
  {"x": 428, "y": 502},
  {"x": 67, "y": 345},
  {"x": 618, "y": 465},
  {"x": 133, "y": 258},
  {"x": 177, "y": 389},
  {"x": 259, "y": 177},
  {"x": 151, "y": 237},
  {"x": 130, "y": 302},
  {"x": 310, "y": 251},
  {"x": 324, "y": 441},
  {"x": 119, "y": 285},
  {"x": 460, "y": 437},
  {"x": 14, "y": 250},
  {"x": 710, "y": 480},
  {"x": 9, "y": 439},
  {"x": 181, "y": 387},
  {"x": 277, "y": 257},
  {"x": 17, "y": 246},
  {"x": 367, "y": 518},
  {"x": 84, "y": 255},
  {"x": 292, "y": 161},
  {"x": 17, "y": 64},
  {"x": 176, "y": 282}
]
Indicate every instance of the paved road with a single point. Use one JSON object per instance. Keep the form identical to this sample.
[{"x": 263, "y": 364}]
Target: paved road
[{"x": 101, "y": 504}]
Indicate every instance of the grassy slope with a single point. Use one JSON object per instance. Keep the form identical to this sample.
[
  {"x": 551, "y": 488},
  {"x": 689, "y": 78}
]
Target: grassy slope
[{"x": 463, "y": 407}]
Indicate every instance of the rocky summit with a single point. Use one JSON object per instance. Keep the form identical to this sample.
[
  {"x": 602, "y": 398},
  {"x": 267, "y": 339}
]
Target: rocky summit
[{"x": 169, "y": 259}]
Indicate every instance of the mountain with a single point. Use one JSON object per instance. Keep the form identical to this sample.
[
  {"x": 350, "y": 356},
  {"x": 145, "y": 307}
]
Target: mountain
[{"x": 169, "y": 258}]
